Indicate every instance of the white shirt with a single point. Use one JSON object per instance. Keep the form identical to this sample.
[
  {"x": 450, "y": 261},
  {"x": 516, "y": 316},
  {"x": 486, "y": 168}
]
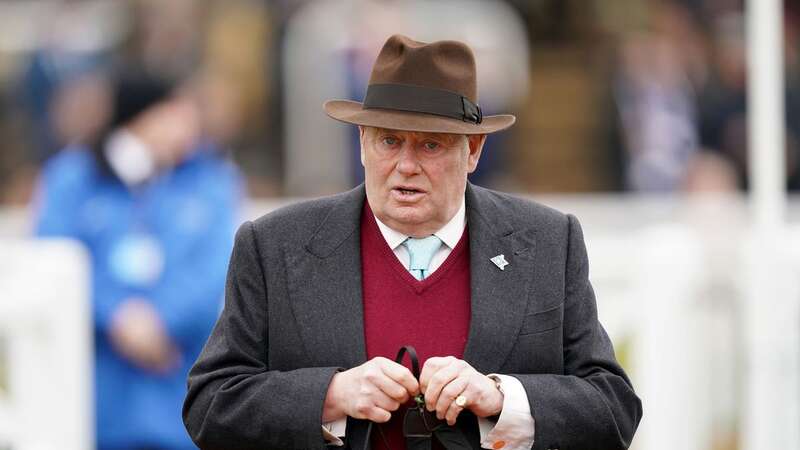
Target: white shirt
[
  {"x": 129, "y": 158},
  {"x": 515, "y": 427},
  {"x": 450, "y": 234}
]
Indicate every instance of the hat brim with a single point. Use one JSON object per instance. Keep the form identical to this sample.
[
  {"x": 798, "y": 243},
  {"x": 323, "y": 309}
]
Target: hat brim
[{"x": 352, "y": 112}]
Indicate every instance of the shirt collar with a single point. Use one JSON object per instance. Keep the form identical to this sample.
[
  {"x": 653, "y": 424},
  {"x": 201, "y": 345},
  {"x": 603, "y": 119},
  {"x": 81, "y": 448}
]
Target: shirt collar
[
  {"x": 129, "y": 158},
  {"x": 450, "y": 233}
]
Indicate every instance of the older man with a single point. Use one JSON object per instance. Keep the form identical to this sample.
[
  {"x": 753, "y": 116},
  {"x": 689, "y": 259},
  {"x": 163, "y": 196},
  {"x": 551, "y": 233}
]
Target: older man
[{"x": 492, "y": 292}]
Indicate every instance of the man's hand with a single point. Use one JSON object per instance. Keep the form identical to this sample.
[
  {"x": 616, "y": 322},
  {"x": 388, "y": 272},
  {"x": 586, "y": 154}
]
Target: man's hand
[
  {"x": 138, "y": 334},
  {"x": 445, "y": 378},
  {"x": 370, "y": 391}
]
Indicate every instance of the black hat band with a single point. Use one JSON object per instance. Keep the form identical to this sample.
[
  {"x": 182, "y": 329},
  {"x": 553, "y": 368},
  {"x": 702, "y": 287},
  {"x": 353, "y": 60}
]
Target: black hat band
[{"x": 420, "y": 99}]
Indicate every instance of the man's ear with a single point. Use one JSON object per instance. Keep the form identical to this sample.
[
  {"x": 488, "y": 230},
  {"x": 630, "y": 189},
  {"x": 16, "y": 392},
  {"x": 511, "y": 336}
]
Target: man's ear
[
  {"x": 475, "y": 142},
  {"x": 362, "y": 133}
]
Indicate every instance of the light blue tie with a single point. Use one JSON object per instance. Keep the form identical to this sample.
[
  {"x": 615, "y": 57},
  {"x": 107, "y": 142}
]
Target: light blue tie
[{"x": 420, "y": 253}]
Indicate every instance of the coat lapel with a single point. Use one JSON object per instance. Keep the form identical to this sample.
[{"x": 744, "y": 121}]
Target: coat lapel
[
  {"x": 324, "y": 280},
  {"x": 499, "y": 297}
]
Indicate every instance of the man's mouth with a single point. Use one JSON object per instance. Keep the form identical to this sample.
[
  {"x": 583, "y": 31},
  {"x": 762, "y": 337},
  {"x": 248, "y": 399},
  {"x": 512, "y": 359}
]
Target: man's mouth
[{"x": 407, "y": 192}]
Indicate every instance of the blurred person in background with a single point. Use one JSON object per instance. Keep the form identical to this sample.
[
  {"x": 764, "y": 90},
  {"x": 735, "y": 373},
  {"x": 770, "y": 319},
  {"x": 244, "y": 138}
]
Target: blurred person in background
[
  {"x": 722, "y": 99},
  {"x": 156, "y": 206},
  {"x": 75, "y": 38},
  {"x": 43, "y": 46},
  {"x": 655, "y": 97}
]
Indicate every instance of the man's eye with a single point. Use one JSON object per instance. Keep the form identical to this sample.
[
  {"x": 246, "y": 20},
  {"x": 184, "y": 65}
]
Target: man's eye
[
  {"x": 390, "y": 141},
  {"x": 431, "y": 145}
]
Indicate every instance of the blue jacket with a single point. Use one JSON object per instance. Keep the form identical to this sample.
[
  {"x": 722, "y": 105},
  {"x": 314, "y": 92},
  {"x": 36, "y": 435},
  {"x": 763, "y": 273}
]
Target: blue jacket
[{"x": 187, "y": 217}]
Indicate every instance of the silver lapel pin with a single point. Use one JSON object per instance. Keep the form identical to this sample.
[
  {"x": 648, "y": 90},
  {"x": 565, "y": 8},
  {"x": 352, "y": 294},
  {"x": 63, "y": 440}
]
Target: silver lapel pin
[{"x": 500, "y": 262}]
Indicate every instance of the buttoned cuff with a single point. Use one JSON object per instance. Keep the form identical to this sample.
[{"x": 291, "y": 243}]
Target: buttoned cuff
[
  {"x": 333, "y": 432},
  {"x": 515, "y": 428}
]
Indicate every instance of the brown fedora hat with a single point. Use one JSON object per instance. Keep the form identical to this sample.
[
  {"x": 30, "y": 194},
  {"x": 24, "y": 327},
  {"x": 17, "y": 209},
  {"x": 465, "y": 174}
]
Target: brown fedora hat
[{"x": 416, "y": 86}]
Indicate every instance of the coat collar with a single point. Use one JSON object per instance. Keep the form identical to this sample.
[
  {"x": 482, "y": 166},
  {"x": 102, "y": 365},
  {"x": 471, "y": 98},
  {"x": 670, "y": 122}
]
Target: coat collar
[
  {"x": 339, "y": 225},
  {"x": 324, "y": 283}
]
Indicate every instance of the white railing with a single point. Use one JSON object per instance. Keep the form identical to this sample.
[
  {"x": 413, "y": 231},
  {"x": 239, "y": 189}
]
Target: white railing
[
  {"x": 648, "y": 285},
  {"x": 45, "y": 346}
]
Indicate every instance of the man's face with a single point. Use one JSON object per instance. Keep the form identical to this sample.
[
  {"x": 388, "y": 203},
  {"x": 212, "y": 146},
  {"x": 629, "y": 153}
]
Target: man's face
[{"x": 415, "y": 181}]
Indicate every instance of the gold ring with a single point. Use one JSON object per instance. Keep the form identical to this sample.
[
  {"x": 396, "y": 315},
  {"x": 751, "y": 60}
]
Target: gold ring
[{"x": 461, "y": 401}]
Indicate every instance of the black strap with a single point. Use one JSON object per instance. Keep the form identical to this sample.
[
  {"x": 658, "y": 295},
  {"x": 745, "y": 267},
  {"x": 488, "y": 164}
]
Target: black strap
[
  {"x": 421, "y": 99},
  {"x": 450, "y": 437},
  {"x": 412, "y": 353}
]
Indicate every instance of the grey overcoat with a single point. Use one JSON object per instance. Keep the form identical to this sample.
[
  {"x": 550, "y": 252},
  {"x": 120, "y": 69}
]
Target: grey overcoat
[{"x": 293, "y": 317}]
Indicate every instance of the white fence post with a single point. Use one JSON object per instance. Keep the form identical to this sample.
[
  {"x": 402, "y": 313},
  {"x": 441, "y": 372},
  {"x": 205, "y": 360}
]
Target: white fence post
[
  {"x": 771, "y": 315},
  {"x": 45, "y": 324},
  {"x": 670, "y": 351},
  {"x": 647, "y": 286},
  {"x": 769, "y": 417}
]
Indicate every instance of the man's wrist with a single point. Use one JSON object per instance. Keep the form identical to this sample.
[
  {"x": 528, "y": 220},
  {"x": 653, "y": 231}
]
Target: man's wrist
[
  {"x": 332, "y": 408},
  {"x": 500, "y": 396}
]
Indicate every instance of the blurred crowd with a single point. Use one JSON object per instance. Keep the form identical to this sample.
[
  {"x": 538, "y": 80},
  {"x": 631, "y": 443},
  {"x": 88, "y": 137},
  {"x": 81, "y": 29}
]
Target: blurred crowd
[
  {"x": 61, "y": 60},
  {"x": 630, "y": 95}
]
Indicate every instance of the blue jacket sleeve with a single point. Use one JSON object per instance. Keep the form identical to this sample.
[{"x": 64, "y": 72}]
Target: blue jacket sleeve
[
  {"x": 189, "y": 296},
  {"x": 59, "y": 194},
  {"x": 64, "y": 184}
]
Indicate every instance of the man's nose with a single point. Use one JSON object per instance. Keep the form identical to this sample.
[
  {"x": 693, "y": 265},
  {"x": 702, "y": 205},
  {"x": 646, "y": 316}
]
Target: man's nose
[{"x": 407, "y": 163}]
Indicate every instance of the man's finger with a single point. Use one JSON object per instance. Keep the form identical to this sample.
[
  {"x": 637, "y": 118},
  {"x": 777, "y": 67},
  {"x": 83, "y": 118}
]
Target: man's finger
[
  {"x": 432, "y": 365},
  {"x": 437, "y": 382},
  {"x": 385, "y": 402},
  {"x": 378, "y": 415},
  {"x": 366, "y": 408},
  {"x": 470, "y": 392},
  {"x": 452, "y": 413},
  {"x": 401, "y": 375},
  {"x": 392, "y": 389},
  {"x": 448, "y": 395}
]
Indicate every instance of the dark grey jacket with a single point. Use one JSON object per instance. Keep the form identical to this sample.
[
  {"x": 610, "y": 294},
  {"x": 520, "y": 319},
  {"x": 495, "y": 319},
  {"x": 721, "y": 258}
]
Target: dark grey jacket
[{"x": 293, "y": 317}]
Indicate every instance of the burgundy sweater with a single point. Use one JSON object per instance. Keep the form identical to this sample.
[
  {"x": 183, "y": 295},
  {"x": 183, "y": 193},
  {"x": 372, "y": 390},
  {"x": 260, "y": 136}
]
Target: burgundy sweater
[{"x": 431, "y": 315}]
